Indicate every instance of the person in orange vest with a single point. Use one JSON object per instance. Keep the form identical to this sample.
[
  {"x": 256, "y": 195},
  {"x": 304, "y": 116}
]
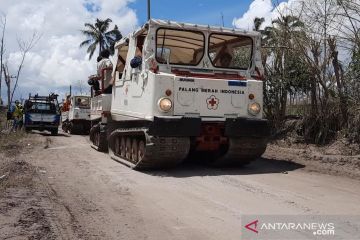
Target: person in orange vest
[{"x": 66, "y": 105}]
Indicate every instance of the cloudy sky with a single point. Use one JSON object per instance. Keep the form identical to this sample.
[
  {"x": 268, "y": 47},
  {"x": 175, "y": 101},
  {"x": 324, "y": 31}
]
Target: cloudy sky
[{"x": 57, "y": 61}]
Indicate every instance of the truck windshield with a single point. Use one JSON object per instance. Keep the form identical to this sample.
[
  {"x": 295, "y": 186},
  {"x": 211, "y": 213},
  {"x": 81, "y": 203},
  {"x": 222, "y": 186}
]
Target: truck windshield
[
  {"x": 82, "y": 102},
  {"x": 230, "y": 51},
  {"x": 179, "y": 47},
  {"x": 41, "y": 107}
]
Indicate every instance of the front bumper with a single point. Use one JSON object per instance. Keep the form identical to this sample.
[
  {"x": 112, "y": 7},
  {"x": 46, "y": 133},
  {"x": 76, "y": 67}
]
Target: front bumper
[
  {"x": 191, "y": 127},
  {"x": 41, "y": 127},
  {"x": 247, "y": 127},
  {"x": 175, "y": 127}
]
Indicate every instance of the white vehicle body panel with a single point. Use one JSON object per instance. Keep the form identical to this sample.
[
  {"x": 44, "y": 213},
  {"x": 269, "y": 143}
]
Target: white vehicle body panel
[
  {"x": 76, "y": 112},
  {"x": 100, "y": 104},
  {"x": 136, "y": 94},
  {"x": 214, "y": 97}
]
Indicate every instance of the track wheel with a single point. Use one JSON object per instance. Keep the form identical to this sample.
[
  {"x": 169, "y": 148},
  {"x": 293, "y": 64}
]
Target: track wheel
[
  {"x": 122, "y": 147},
  {"x": 128, "y": 148},
  {"x": 141, "y": 150},
  {"x": 117, "y": 146},
  {"x": 134, "y": 150},
  {"x": 97, "y": 139}
]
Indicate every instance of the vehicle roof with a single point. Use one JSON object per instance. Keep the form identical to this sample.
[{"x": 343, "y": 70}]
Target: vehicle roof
[
  {"x": 187, "y": 26},
  {"x": 182, "y": 25},
  {"x": 81, "y": 96}
]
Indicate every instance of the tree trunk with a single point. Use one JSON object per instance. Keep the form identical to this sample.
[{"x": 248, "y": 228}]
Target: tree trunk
[
  {"x": 283, "y": 102},
  {"x": 313, "y": 97},
  {"x": 8, "y": 84},
  {"x": 100, "y": 46},
  {"x": 339, "y": 85},
  {"x": 1, "y": 56}
]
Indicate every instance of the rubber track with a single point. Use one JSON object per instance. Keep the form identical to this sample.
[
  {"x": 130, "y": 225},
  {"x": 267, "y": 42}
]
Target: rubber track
[
  {"x": 161, "y": 152},
  {"x": 241, "y": 151},
  {"x": 103, "y": 142}
]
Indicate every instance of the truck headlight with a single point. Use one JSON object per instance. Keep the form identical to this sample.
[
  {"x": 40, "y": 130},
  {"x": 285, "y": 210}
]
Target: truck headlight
[
  {"x": 254, "y": 108},
  {"x": 165, "y": 104}
]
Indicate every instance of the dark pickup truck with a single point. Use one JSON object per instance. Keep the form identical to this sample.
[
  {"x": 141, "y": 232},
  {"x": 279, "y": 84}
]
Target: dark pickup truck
[{"x": 42, "y": 113}]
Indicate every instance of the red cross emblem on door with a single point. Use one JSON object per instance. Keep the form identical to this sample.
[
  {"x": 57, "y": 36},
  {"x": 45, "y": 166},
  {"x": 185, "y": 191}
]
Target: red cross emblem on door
[{"x": 212, "y": 102}]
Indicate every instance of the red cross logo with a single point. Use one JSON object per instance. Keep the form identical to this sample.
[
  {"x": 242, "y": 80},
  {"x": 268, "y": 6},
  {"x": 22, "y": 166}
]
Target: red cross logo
[{"x": 212, "y": 102}]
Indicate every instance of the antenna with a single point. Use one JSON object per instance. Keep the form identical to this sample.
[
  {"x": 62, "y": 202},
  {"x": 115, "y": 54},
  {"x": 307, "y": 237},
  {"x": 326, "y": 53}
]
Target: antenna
[
  {"x": 222, "y": 19},
  {"x": 148, "y": 10}
]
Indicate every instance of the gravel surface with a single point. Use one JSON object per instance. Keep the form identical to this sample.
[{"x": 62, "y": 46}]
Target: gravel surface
[{"x": 61, "y": 188}]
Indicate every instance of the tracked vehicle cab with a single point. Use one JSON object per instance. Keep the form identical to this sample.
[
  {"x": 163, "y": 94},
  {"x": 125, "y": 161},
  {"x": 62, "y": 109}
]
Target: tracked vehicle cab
[
  {"x": 197, "y": 89},
  {"x": 75, "y": 117}
]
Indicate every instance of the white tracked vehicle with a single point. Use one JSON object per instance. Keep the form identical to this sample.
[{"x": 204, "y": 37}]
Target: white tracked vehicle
[
  {"x": 196, "y": 90},
  {"x": 76, "y": 119}
]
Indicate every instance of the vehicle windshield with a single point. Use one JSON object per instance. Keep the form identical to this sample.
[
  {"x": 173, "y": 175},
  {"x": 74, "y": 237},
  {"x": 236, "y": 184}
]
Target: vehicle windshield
[
  {"x": 179, "y": 47},
  {"x": 82, "y": 102},
  {"x": 41, "y": 107},
  {"x": 230, "y": 51}
]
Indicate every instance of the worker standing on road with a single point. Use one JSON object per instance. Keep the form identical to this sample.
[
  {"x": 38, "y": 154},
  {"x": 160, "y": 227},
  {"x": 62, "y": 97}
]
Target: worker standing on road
[
  {"x": 66, "y": 105},
  {"x": 18, "y": 115}
]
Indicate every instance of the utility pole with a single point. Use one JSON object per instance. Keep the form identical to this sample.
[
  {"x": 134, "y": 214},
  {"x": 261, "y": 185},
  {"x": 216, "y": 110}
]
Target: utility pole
[
  {"x": 222, "y": 19},
  {"x": 148, "y": 10}
]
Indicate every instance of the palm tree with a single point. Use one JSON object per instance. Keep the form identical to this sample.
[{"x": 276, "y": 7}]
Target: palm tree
[
  {"x": 258, "y": 22},
  {"x": 285, "y": 70},
  {"x": 98, "y": 35}
]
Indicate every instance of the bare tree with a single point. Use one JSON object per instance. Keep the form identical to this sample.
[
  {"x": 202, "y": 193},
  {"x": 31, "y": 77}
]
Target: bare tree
[
  {"x": 25, "y": 47},
  {"x": 7, "y": 79},
  {"x": 2, "y": 50}
]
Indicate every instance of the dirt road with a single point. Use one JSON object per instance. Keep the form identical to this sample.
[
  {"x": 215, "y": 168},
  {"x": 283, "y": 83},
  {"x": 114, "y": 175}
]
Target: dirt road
[{"x": 87, "y": 195}]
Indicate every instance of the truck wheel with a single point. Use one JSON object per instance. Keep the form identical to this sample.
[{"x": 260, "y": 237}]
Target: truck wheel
[{"x": 54, "y": 132}]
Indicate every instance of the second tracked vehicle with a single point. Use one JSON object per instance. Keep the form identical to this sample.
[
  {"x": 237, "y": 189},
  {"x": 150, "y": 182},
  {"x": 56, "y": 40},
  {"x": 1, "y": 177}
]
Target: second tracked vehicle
[
  {"x": 183, "y": 90},
  {"x": 75, "y": 115}
]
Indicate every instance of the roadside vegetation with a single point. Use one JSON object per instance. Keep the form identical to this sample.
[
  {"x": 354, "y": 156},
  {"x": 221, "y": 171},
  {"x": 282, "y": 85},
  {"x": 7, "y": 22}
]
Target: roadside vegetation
[
  {"x": 311, "y": 55},
  {"x": 10, "y": 142}
]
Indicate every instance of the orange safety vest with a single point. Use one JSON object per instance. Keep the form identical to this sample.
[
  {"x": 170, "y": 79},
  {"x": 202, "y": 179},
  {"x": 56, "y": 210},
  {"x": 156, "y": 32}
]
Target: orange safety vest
[{"x": 66, "y": 106}]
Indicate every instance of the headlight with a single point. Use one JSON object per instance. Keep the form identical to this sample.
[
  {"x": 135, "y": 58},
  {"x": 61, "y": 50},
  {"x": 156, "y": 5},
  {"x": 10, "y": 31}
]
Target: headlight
[
  {"x": 254, "y": 108},
  {"x": 165, "y": 104}
]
